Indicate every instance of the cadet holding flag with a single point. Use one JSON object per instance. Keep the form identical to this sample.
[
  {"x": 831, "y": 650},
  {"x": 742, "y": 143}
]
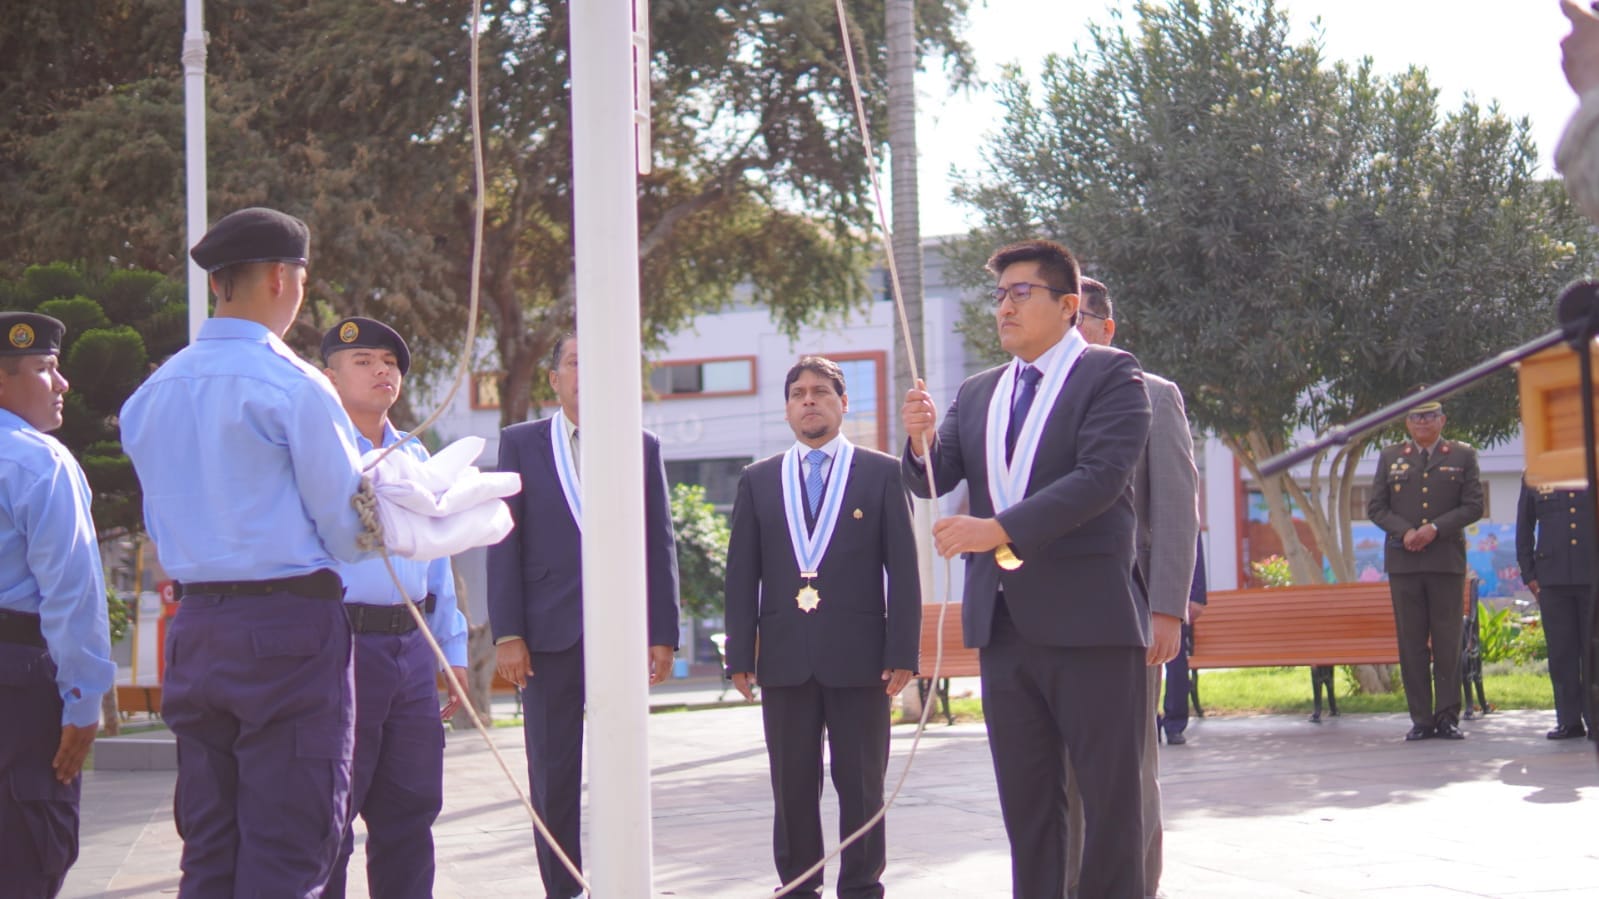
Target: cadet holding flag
[
  {"x": 248, "y": 463},
  {"x": 55, "y": 648},
  {"x": 397, "y": 782}
]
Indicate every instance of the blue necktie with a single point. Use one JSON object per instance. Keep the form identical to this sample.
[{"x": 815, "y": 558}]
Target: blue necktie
[
  {"x": 1018, "y": 413},
  {"x": 813, "y": 480}
]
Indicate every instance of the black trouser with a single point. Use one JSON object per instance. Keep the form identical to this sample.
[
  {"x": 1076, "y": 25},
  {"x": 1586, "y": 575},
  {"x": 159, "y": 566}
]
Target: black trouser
[
  {"x": 1429, "y": 617},
  {"x": 38, "y": 814},
  {"x": 1567, "y": 612},
  {"x": 1041, "y": 703},
  {"x": 856, "y": 722},
  {"x": 552, "y": 726}
]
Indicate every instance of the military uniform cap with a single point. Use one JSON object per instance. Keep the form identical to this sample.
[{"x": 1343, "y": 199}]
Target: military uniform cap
[
  {"x": 256, "y": 234},
  {"x": 30, "y": 334},
  {"x": 358, "y": 333},
  {"x": 1431, "y": 406}
]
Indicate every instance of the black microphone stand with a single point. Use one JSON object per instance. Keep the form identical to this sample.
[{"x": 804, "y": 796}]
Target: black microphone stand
[{"x": 1578, "y": 313}]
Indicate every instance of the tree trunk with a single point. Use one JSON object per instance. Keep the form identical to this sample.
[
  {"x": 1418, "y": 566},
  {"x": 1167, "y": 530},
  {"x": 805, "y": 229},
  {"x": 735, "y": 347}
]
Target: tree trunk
[
  {"x": 479, "y": 664},
  {"x": 110, "y": 715}
]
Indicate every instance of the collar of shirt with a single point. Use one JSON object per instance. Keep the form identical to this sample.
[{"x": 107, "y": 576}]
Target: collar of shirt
[
  {"x": 567, "y": 425},
  {"x": 11, "y": 421},
  {"x": 1429, "y": 449},
  {"x": 1045, "y": 359},
  {"x": 225, "y": 328},
  {"x": 830, "y": 448},
  {"x": 390, "y": 436}
]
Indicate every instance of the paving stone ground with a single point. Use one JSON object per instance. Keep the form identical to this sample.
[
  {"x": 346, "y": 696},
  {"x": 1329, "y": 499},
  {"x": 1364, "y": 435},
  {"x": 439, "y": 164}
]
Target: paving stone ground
[{"x": 1267, "y": 806}]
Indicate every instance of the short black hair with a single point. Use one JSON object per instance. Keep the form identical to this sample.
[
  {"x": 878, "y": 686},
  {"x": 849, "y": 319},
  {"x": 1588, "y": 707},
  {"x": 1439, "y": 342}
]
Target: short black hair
[
  {"x": 1096, "y": 298},
  {"x": 1055, "y": 262},
  {"x": 818, "y": 365},
  {"x": 559, "y": 347}
]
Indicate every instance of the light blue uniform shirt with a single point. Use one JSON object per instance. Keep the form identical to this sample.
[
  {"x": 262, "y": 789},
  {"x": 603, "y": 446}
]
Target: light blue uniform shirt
[
  {"x": 246, "y": 458},
  {"x": 369, "y": 582},
  {"x": 50, "y": 563}
]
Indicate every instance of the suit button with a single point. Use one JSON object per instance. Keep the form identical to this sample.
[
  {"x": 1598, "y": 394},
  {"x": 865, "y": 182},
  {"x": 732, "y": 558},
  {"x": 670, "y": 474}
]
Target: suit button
[
  {"x": 1424, "y": 490},
  {"x": 1573, "y": 541},
  {"x": 1574, "y": 525},
  {"x": 1573, "y": 510},
  {"x": 1424, "y": 505}
]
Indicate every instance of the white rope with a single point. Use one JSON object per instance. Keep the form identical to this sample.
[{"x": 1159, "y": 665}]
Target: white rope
[
  {"x": 372, "y": 529},
  {"x": 910, "y": 355}
]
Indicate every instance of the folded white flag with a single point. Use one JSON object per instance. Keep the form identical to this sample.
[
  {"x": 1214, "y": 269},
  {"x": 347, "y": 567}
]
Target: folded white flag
[{"x": 443, "y": 506}]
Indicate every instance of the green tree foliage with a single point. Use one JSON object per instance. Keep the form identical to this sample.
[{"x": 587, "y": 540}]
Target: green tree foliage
[
  {"x": 1294, "y": 243},
  {"x": 702, "y": 535},
  {"x": 112, "y": 326},
  {"x": 354, "y": 116}
]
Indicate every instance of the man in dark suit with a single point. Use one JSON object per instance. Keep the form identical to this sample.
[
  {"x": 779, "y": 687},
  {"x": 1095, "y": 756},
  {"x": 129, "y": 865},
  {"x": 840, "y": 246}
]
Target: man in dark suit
[
  {"x": 1047, "y": 444},
  {"x": 1554, "y": 545},
  {"x": 824, "y": 610},
  {"x": 1425, "y": 493},
  {"x": 536, "y": 605}
]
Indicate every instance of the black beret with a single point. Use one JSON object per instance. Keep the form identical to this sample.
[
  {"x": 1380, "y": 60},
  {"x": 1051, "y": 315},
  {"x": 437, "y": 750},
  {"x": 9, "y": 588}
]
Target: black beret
[
  {"x": 30, "y": 334},
  {"x": 253, "y": 235},
  {"x": 356, "y": 333}
]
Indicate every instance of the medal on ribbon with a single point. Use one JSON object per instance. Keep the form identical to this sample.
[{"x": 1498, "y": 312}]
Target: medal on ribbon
[
  {"x": 565, "y": 469},
  {"x": 810, "y": 546},
  {"x": 1007, "y": 481}
]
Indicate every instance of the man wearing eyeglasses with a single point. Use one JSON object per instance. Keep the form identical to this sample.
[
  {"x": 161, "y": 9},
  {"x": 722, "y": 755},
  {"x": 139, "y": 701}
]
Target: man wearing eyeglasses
[
  {"x": 1425, "y": 494},
  {"x": 1047, "y": 444}
]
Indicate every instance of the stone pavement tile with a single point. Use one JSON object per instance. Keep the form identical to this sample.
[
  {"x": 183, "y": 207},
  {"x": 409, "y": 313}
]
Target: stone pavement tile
[{"x": 1255, "y": 807}]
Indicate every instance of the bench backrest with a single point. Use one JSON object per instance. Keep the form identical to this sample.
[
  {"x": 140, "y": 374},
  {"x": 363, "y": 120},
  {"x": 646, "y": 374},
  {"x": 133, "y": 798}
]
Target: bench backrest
[
  {"x": 958, "y": 661},
  {"x": 1317, "y": 624}
]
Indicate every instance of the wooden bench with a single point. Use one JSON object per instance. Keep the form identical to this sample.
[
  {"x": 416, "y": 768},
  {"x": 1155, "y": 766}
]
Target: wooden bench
[
  {"x": 1317, "y": 624},
  {"x": 139, "y": 698},
  {"x": 958, "y": 661}
]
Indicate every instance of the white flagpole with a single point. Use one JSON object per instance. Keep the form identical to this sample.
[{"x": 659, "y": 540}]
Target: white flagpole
[
  {"x": 605, "y": 222},
  {"x": 194, "y": 152}
]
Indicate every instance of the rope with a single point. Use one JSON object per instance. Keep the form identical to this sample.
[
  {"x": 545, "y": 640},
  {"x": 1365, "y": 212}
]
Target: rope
[
  {"x": 926, "y": 445},
  {"x": 365, "y": 501}
]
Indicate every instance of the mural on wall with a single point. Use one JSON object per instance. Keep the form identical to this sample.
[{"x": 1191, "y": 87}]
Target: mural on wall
[{"x": 1490, "y": 549}]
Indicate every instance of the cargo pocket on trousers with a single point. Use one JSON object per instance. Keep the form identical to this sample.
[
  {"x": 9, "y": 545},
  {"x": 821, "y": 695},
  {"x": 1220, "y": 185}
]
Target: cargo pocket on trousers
[{"x": 46, "y": 810}]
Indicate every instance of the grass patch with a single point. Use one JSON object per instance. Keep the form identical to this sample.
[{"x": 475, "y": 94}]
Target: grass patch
[{"x": 1286, "y": 691}]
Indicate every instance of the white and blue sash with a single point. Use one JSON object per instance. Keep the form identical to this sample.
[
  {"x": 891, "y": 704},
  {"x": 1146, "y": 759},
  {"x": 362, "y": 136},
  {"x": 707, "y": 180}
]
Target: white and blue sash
[
  {"x": 566, "y": 467},
  {"x": 810, "y": 546},
  {"x": 1007, "y": 481}
]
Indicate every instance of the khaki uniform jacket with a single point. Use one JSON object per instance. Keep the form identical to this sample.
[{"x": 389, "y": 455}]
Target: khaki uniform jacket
[{"x": 1447, "y": 494}]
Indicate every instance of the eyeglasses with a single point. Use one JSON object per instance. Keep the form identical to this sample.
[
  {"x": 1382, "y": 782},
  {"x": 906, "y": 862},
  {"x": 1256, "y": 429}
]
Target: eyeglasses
[
  {"x": 1020, "y": 292},
  {"x": 1082, "y": 311},
  {"x": 1424, "y": 416}
]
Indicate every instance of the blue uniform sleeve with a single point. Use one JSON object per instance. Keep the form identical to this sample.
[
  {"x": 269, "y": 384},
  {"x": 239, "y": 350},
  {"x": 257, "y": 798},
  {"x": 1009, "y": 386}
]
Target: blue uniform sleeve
[
  {"x": 447, "y": 622},
  {"x": 64, "y": 558},
  {"x": 327, "y": 468}
]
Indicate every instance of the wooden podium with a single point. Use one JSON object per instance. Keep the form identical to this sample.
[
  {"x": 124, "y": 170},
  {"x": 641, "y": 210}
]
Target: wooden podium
[{"x": 1551, "y": 417}]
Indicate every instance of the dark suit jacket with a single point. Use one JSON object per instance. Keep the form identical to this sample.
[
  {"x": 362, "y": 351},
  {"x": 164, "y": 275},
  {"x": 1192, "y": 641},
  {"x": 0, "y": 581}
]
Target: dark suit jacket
[
  {"x": 1554, "y": 537},
  {"x": 536, "y": 572},
  {"x": 859, "y": 629},
  {"x": 1447, "y": 495},
  {"x": 1074, "y": 530}
]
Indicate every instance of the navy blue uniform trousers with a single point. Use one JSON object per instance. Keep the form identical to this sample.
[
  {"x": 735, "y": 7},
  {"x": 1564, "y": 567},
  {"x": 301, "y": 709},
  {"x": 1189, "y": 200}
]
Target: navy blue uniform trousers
[
  {"x": 1567, "y": 613},
  {"x": 397, "y": 784},
  {"x": 38, "y": 814},
  {"x": 259, "y": 693}
]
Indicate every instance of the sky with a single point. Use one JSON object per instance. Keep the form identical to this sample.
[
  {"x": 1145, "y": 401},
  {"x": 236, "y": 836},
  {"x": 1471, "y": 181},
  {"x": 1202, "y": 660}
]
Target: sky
[{"x": 1505, "y": 50}]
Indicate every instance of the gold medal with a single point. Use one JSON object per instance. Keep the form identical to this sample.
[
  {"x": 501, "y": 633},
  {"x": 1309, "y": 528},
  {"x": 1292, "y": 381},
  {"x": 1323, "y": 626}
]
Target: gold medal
[
  {"x": 807, "y": 598},
  {"x": 1006, "y": 557}
]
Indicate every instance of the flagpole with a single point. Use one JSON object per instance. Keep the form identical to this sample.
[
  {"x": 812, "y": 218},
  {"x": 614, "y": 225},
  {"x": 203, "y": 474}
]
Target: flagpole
[{"x": 194, "y": 153}]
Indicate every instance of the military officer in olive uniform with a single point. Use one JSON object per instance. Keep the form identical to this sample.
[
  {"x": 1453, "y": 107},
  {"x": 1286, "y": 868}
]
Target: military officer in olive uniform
[
  {"x": 1426, "y": 492},
  {"x": 1554, "y": 545}
]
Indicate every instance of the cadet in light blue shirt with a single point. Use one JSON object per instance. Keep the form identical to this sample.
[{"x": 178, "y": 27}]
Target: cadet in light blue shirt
[
  {"x": 398, "y": 781},
  {"x": 55, "y": 645},
  {"x": 248, "y": 464}
]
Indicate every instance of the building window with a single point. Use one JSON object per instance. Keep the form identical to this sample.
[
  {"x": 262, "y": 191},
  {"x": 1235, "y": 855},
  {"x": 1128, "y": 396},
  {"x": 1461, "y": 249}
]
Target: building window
[
  {"x": 486, "y": 390},
  {"x": 719, "y": 477},
  {"x": 733, "y": 376},
  {"x": 865, "y": 377}
]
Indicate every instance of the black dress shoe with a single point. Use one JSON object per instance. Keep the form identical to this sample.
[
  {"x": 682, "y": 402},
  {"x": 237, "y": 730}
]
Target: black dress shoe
[
  {"x": 1418, "y": 733},
  {"x": 1567, "y": 732},
  {"x": 1175, "y": 738},
  {"x": 1448, "y": 732}
]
